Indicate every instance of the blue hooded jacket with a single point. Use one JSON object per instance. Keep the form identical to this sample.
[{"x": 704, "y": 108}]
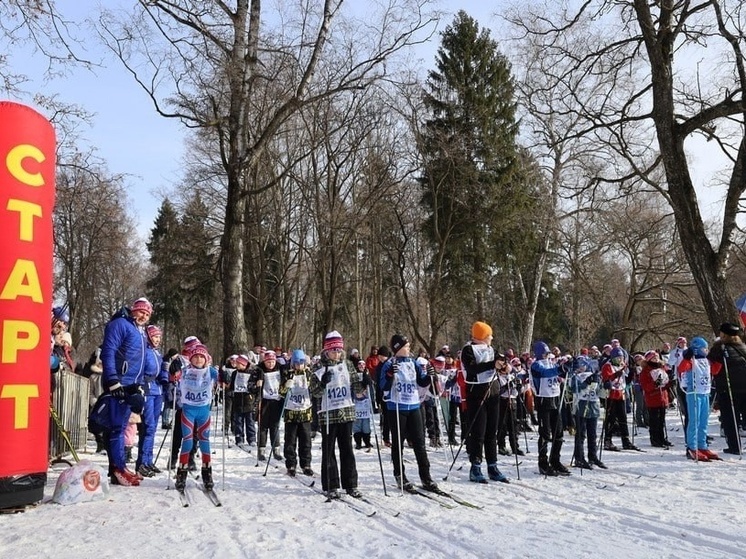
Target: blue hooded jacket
[{"x": 123, "y": 353}]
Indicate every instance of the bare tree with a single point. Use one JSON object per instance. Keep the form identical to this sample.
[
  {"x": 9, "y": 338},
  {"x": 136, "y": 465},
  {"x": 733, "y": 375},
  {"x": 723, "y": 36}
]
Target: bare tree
[
  {"x": 206, "y": 62},
  {"x": 652, "y": 102}
]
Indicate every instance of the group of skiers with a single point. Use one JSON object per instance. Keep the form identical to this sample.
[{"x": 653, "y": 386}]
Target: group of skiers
[{"x": 491, "y": 395}]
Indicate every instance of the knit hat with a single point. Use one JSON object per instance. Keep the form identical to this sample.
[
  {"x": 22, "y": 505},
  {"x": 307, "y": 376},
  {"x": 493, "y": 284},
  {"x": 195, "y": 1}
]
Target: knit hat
[
  {"x": 398, "y": 341},
  {"x": 61, "y": 314},
  {"x": 242, "y": 360},
  {"x": 191, "y": 341},
  {"x": 298, "y": 357},
  {"x": 333, "y": 340},
  {"x": 729, "y": 329},
  {"x": 481, "y": 330},
  {"x": 699, "y": 347},
  {"x": 142, "y": 304},
  {"x": 652, "y": 356},
  {"x": 199, "y": 349},
  {"x": 384, "y": 351},
  {"x": 269, "y": 355},
  {"x": 616, "y": 352},
  {"x": 540, "y": 349}
]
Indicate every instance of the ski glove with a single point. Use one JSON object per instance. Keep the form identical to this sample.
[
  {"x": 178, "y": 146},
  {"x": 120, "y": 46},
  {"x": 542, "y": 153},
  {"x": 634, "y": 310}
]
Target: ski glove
[
  {"x": 117, "y": 391},
  {"x": 430, "y": 370},
  {"x": 392, "y": 370},
  {"x": 326, "y": 377}
]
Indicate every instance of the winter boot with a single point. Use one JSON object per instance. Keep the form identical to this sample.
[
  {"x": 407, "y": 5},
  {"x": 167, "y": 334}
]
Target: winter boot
[
  {"x": 207, "y": 477},
  {"x": 260, "y": 456},
  {"x": 307, "y": 471},
  {"x": 495, "y": 474},
  {"x": 406, "y": 484},
  {"x": 366, "y": 440},
  {"x": 181, "y": 477},
  {"x": 291, "y": 472},
  {"x": 276, "y": 454},
  {"x": 476, "y": 475},
  {"x": 358, "y": 440}
]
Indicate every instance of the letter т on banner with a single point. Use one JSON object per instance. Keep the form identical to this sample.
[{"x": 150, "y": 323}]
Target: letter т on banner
[{"x": 27, "y": 190}]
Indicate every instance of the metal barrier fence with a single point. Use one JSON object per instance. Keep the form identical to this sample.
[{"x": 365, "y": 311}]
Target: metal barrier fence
[{"x": 70, "y": 400}]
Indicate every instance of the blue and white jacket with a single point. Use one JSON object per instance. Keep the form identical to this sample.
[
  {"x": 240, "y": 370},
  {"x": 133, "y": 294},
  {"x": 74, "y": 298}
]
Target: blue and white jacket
[{"x": 400, "y": 390}]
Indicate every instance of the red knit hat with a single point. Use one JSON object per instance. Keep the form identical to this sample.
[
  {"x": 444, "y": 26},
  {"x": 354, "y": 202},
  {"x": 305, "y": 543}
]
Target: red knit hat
[
  {"x": 333, "y": 340},
  {"x": 142, "y": 304}
]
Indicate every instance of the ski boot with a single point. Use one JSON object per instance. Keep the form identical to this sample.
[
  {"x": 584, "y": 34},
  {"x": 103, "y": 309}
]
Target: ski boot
[
  {"x": 276, "y": 454},
  {"x": 560, "y": 468},
  {"x": 546, "y": 470},
  {"x": 181, "y": 477},
  {"x": 291, "y": 472},
  {"x": 429, "y": 485},
  {"x": 495, "y": 474},
  {"x": 144, "y": 471},
  {"x": 307, "y": 471},
  {"x": 583, "y": 464},
  {"x": 354, "y": 492},
  {"x": 406, "y": 484},
  {"x": 596, "y": 462},
  {"x": 207, "y": 478},
  {"x": 332, "y": 494},
  {"x": 124, "y": 477},
  {"x": 260, "y": 456},
  {"x": 476, "y": 475}
]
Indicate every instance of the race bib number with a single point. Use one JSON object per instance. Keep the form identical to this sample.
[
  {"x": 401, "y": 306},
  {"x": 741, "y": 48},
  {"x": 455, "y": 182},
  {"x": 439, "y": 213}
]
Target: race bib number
[{"x": 271, "y": 386}]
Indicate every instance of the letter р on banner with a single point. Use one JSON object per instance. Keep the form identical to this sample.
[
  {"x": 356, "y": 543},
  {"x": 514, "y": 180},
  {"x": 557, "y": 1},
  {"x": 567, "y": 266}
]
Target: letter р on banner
[{"x": 27, "y": 189}]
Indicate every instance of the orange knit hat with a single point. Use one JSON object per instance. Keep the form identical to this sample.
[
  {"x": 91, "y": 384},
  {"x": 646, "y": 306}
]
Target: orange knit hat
[{"x": 481, "y": 331}]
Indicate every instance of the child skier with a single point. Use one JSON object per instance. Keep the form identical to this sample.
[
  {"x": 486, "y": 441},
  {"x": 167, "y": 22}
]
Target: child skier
[
  {"x": 361, "y": 426},
  {"x": 654, "y": 383},
  {"x": 399, "y": 379},
  {"x": 243, "y": 396},
  {"x": 267, "y": 376},
  {"x": 584, "y": 386},
  {"x": 196, "y": 385},
  {"x": 297, "y": 414},
  {"x": 334, "y": 380},
  {"x": 614, "y": 374},
  {"x": 696, "y": 381}
]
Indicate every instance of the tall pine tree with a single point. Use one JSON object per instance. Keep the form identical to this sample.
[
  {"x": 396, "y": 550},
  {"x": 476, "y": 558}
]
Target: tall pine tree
[{"x": 469, "y": 154}]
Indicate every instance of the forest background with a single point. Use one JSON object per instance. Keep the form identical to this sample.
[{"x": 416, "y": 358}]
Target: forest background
[{"x": 569, "y": 171}]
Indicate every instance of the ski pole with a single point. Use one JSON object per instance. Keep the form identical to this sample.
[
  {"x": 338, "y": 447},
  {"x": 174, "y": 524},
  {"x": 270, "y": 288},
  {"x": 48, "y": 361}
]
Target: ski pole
[
  {"x": 442, "y": 414},
  {"x": 173, "y": 431},
  {"x": 259, "y": 428},
  {"x": 375, "y": 435},
  {"x": 603, "y": 427},
  {"x": 732, "y": 405},
  {"x": 400, "y": 446},
  {"x": 521, "y": 400}
]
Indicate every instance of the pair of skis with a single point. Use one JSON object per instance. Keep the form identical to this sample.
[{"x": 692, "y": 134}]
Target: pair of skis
[{"x": 185, "y": 497}]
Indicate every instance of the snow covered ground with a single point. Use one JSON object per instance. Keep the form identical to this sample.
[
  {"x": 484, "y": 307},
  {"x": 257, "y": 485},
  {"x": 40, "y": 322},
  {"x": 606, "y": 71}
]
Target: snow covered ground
[{"x": 676, "y": 509}]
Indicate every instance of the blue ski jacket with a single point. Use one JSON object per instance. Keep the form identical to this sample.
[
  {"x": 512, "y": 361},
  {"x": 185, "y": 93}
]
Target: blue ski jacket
[{"x": 123, "y": 353}]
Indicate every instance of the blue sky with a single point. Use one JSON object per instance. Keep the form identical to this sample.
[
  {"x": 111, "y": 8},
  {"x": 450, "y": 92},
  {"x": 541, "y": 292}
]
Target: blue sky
[
  {"x": 133, "y": 140},
  {"x": 125, "y": 129}
]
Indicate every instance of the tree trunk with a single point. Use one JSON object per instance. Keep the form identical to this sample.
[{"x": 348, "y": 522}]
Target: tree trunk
[{"x": 235, "y": 336}]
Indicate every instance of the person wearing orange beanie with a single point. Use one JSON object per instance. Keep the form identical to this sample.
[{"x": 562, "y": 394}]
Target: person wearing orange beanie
[{"x": 481, "y": 362}]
